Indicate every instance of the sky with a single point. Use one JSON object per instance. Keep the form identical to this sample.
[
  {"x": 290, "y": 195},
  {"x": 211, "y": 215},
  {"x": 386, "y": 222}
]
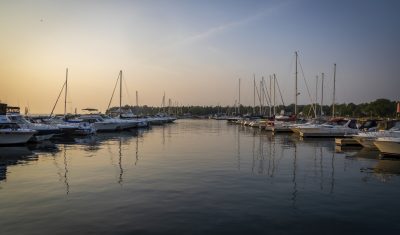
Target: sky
[{"x": 195, "y": 51}]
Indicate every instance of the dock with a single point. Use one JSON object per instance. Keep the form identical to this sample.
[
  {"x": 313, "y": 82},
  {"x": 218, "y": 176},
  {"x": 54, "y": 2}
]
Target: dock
[{"x": 346, "y": 142}]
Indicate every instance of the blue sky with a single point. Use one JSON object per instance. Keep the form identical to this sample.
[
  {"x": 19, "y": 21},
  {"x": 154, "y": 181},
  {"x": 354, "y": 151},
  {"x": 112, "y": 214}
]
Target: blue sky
[{"x": 195, "y": 51}]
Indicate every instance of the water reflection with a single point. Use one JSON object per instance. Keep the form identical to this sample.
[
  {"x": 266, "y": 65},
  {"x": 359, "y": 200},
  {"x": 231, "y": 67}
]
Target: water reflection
[
  {"x": 285, "y": 156},
  {"x": 384, "y": 168},
  {"x": 182, "y": 178},
  {"x": 22, "y": 155},
  {"x": 12, "y": 156}
]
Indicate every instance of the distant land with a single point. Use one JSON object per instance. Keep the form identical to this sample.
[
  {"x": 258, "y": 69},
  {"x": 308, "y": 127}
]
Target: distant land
[{"x": 377, "y": 108}]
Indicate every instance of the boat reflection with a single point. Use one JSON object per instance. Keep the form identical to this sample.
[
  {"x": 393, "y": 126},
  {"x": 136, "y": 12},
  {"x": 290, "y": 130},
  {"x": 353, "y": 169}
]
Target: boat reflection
[
  {"x": 63, "y": 149},
  {"x": 308, "y": 163},
  {"x": 384, "y": 168},
  {"x": 20, "y": 155}
]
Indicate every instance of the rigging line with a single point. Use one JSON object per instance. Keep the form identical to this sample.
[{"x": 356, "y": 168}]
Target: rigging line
[
  {"x": 267, "y": 95},
  {"x": 127, "y": 92},
  {"x": 308, "y": 90},
  {"x": 280, "y": 93},
  {"x": 116, "y": 83},
  {"x": 258, "y": 94},
  {"x": 58, "y": 98}
]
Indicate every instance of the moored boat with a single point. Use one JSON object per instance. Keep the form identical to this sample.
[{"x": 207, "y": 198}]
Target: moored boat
[
  {"x": 12, "y": 133},
  {"x": 388, "y": 145},
  {"x": 366, "y": 139},
  {"x": 43, "y": 131},
  {"x": 334, "y": 128}
]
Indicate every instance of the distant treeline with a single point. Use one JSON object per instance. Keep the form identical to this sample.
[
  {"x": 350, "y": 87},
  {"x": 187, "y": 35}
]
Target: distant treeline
[{"x": 377, "y": 108}]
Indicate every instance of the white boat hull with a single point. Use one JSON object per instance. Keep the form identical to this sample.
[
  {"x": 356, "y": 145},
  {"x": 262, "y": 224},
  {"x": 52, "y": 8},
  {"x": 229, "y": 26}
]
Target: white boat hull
[
  {"x": 106, "y": 126},
  {"x": 38, "y": 138},
  {"x": 326, "y": 132},
  {"x": 366, "y": 142},
  {"x": 15, "y": 137},
  {"x": 281, "y": 129},
  {"x": 388, "y": 147}
]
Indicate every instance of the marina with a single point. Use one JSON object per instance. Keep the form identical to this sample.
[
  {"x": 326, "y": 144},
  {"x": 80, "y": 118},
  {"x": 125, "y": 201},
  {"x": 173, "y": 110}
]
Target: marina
[{"x": 199, "y": 117}]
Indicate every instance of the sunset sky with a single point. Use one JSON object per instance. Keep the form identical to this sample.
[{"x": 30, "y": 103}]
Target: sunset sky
[{"x": 195, "y": 51}]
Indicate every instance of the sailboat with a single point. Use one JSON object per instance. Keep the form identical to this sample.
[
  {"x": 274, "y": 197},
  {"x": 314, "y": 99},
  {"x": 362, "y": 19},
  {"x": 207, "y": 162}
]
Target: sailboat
[
  {"x": 336, "y": 127},
  {"x": 63, "y": 123},
  {"x": 125, "y": 121}
]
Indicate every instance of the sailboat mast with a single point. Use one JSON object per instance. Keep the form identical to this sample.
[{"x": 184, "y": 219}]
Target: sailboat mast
[
  {"x": 322, "y": 94},
  {"x": 239, "y": 98},
  {"x": 270, "y": 93},
  {"x": 261, "y": 95},
  {"x": 316, "y": 96},
  {"x": 66, "y": 90},
  {"x": 120, "y": 92},
  {"x": 274, "y": 95},
  {"x": 254, "y": 94},
  {"x": 334, "y": 90},
  {"x": 137, "y": 99},
  {"x": 163, "y": 103},
  {"x": 295, "y": 103}
]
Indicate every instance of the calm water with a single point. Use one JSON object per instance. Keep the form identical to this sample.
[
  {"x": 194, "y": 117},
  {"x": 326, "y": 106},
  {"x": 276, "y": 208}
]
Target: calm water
[{"x": 197, "y": 177}]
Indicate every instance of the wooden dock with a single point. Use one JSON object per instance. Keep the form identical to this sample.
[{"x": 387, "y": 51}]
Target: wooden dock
[{"x": 346, "y": 142}]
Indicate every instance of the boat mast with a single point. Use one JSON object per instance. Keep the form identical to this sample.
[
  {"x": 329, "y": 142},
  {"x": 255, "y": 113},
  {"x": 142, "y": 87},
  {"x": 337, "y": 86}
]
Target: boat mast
[
  {"x": 334, "y": 89},
  {"x": 239, "y": 98},
  {"x": 120, "y": 92},
  {"x": 137, "y": 99},
  {"x": 254, "y": 94},
  {"x": 270, "y": 93},
  {"x": 59, "y": 95},
  {"x": 316, "y": 96},
  {"x": 295, "y": 103},
  {"x": 274, "y": 95},
  {"x": 322, "y": 94},
  {"x": 163, "y": 103},
  {"x": 261, "y": 95},
  {"x": 66, "y": 90}
]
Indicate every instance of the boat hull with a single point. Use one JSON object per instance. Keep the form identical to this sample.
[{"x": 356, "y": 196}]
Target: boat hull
[
  {"x": 7, "y": 138},
  {"x": 366, "y": 142},
  {"x": 326, "y": 132},
  {"x": 388, "y": 147}
]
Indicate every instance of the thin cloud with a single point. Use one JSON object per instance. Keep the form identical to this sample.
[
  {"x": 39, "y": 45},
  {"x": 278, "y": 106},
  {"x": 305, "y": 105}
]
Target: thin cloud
[{"x": 228, "y": 26}]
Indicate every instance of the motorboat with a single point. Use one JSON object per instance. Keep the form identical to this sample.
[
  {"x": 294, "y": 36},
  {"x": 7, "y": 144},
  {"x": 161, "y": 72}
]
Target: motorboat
[
  {"x": 124, "y": 124},
  {"x": 311, "y": 123},
  {"x": 255, "y": 123},
  {"x": 12, "y": 133},
  {"x": 280, "y": 126},
  {"x": 338, "y": 127},
  {"x": 161, "y": 118},
  {"x": 99, "y": 123},
  {"x": 366, "y": 139},
  {"x": 43, "y": 131},
  {"x": 70, "y": 128},
  {"x": 388, "y": 145}
]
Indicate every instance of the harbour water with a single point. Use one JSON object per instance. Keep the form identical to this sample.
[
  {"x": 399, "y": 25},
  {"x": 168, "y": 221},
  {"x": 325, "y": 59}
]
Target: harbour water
[{"x": 197, "y": 177}]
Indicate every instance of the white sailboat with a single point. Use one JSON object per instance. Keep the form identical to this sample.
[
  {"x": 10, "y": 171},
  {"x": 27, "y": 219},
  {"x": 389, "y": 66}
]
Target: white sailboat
[
  {"x": 125, "y": 120},
  {"x": 68, "y": 128}
]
